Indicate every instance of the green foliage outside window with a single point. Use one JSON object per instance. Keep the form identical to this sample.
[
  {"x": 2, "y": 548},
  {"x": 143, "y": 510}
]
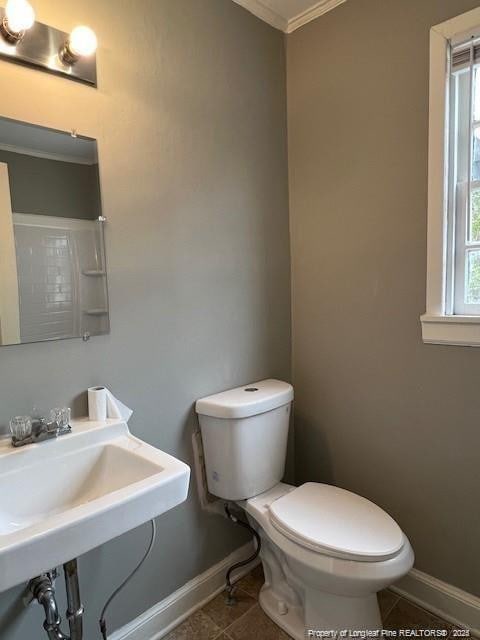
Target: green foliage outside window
[
  {"x": 473, "y": 284},
  {"x": 475, "y": 231},
  {"x": 473, "y": 287}
]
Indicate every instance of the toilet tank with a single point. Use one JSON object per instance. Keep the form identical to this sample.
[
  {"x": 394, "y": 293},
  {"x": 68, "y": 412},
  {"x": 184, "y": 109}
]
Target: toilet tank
[{"x": 244, "y": 434}]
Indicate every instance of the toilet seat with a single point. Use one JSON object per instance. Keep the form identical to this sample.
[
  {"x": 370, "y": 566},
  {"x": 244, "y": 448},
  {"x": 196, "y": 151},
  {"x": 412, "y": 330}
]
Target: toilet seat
[{"x": 333, "y": 521}]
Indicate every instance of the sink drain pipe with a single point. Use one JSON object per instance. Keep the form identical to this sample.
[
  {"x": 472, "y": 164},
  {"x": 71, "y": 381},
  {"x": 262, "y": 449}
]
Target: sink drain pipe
[
  {"x": 43, "y": 591},
  {"x": 75, "y": 607}
]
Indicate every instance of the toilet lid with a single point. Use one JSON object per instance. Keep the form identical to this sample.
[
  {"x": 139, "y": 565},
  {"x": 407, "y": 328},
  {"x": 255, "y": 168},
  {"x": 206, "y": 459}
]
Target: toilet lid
[{"x": 328, "y": 519}]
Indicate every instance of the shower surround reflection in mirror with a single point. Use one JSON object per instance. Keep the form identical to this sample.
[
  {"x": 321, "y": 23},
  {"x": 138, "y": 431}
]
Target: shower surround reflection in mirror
[{"x": 53, "y": 282}]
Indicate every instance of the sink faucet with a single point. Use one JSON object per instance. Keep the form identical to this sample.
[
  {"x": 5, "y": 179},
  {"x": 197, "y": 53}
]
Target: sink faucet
[{"x": 43, "y": 429}]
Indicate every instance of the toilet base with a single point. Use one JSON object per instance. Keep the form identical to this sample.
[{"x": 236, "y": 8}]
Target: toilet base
[
  {"x": 291, "y": 621},
  {"x": 332, "y": 613}
]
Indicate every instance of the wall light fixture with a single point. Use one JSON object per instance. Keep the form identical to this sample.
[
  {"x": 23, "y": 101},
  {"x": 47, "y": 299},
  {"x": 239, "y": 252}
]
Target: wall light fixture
[{"x": 35, "y": 44}]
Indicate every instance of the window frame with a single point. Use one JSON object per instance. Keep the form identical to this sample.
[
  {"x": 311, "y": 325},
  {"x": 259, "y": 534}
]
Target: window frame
[{"x": 439, "y": 324}]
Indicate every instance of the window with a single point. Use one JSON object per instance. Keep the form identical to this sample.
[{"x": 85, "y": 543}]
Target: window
[
  {"x": 463, "y": 215},
  {"x": 453, "y": 266}
]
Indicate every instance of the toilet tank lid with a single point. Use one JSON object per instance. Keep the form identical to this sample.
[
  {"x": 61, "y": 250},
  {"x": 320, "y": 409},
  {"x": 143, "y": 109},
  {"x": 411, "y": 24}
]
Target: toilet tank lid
[{"x": 248, "y": 400}]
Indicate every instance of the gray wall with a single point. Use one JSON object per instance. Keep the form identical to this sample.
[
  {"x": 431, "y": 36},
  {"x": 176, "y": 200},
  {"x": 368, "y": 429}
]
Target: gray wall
[
  {"x": 190, "y": 118},
  {"x": 52, "y": 187},
  {"x": 377, "y": 411}
]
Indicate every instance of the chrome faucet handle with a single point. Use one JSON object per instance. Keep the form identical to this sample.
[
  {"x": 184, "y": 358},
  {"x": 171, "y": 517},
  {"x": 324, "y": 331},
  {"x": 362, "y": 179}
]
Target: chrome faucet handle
[
  {"x": 61, "y": 416},
  {"x": 21, "y": 428}
]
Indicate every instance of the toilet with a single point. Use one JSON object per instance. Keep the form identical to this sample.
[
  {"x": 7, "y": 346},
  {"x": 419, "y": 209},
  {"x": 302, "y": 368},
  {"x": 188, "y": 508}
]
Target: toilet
[{"x": 326, "y": 552}]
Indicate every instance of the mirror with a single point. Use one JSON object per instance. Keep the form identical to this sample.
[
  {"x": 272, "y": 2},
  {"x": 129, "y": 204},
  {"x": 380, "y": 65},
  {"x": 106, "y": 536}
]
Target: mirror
[{"x": 53, "y": 282}]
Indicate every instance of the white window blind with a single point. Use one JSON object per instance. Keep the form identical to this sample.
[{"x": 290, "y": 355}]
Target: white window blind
[{"x": 461, "y": 54}]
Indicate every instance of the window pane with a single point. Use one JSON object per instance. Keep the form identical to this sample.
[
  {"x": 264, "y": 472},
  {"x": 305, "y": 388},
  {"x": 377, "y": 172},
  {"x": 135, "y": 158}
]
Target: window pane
[
  {"x": 476, "y": 95},
  {"x": 476, "y": 154},
  {"x": 476, "y": 129},
  {"x": 475, "y": 216},
  {"x": 459, "y": 125},
  {"x": 472, "y": 288}
]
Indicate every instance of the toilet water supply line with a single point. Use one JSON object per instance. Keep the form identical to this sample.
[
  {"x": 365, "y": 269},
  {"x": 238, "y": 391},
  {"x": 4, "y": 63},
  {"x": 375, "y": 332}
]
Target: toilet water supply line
[{"x": 243, "y": 563}]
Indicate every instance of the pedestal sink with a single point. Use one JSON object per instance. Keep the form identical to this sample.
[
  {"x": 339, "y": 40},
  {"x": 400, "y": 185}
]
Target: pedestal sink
[{"x": 61, "y": 498}]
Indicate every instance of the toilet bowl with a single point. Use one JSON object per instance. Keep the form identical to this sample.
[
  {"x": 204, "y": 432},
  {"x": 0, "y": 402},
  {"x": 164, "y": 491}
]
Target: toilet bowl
[{"x": 326, "y": 552}]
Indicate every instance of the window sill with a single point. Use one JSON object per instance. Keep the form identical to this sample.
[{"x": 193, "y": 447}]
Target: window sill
[{"x": 455, "y": 330}]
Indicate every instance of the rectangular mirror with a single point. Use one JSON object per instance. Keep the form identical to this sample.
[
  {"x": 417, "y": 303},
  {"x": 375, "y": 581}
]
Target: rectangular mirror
[{"x": 53, "y": 282}]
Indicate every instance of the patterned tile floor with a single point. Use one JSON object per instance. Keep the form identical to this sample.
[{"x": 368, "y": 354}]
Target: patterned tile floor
[{"x": 246, "y": 620}]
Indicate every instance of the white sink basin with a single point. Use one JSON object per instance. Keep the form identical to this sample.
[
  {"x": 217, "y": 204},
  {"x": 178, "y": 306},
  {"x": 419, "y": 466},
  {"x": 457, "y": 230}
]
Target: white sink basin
[{"x": 63, "y": 497}]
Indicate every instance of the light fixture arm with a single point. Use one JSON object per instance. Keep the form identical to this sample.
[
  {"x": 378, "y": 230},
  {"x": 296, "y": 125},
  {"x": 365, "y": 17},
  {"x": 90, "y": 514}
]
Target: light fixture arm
[{"x": 66, "y": 55}]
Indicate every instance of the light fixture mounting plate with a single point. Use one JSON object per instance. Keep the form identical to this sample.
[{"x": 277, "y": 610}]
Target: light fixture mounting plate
[{"x": 40, "y": 48}]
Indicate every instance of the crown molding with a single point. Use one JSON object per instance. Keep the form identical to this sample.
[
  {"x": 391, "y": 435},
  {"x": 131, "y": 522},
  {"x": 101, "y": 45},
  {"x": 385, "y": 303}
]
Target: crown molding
[
  {"x": 318, "y": 9},
  {"x": 274, "y": 19},
  {"x": 264, "y": 13}
]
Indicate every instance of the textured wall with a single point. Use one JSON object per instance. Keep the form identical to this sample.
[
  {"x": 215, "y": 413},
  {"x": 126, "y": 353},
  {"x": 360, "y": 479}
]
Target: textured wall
[
  {"x": 377, "y": 411},
  {"x": 190, "y": 120}
]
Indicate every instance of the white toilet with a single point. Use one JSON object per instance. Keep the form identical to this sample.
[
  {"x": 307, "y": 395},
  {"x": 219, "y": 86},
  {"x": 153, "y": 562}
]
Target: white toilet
[{"x": 326, "y": 552}]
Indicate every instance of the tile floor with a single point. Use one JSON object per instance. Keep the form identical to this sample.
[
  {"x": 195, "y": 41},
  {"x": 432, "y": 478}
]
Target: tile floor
[{"x": 246, "y": 620}]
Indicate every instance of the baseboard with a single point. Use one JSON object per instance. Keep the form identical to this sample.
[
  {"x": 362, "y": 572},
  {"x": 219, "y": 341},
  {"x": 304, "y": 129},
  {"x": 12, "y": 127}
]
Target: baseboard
[
  {"x": 448, "y": 602},
  {"x": 170, "y": 612}
]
